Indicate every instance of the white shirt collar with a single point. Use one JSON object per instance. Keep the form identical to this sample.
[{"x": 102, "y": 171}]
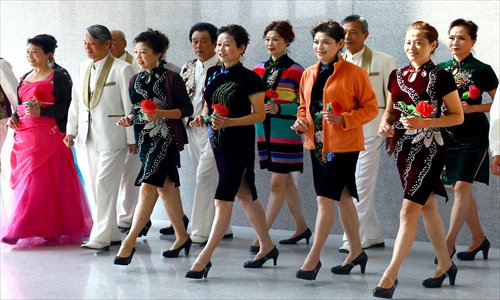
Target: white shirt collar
[
  {"x": 212, "y": 61},
  {"x": 124, "y": 56},
  {"x": 100, "y": 63},
  {"x": 356, "y": 56}
]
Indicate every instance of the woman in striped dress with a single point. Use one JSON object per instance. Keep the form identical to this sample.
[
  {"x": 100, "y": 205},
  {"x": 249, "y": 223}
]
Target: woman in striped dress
[{"x": 280, "y": 148}]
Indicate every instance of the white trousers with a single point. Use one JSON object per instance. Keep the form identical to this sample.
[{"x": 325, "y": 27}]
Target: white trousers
[
  {"x": 366, "y": 181},
  {"x": 207, "y": 178},
  {"x": 102, "y": 172},
  {"x": 128, "y": 194}
]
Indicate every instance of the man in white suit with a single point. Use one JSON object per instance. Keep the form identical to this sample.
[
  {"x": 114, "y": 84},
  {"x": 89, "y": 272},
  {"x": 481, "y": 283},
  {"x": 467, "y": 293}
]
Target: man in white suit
[
  {"x": 379, "y": 66},
  {"x": 100, "y": 98}
]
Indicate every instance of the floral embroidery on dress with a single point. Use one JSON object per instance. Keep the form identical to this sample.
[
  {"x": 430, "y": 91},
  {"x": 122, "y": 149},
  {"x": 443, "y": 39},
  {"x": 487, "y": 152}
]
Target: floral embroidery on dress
[
  {"x": 321, "y": 156},
  {"x": 430, "y": 138},
  {"x": 222, "y": 95}
]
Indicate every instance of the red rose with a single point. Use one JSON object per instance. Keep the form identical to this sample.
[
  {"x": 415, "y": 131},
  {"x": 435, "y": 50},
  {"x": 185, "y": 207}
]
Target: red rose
[
  {"x": 220, "y": 109},
  {"x": 148, "y": 106},
  {"x": 335, "y": 106},
  {"x": 272, "y": 94},
  {"x": 38, "y": 94},
  {"x": 474, "y": 92},
  {"x": 424, "y": 108}
]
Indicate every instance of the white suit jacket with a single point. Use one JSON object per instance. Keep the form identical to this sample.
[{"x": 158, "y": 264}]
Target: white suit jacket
[
  {"x": 380, "y": 68},
  {"x": 115, "y": 100},
  {"x": 9, "y": 83}
]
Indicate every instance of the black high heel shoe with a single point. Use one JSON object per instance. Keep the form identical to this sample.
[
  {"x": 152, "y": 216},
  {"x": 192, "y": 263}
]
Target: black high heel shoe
[
  {"x": 346, "y": 269},
  {"x": 309, "y": 275},
  {"x": 174, "y": 253},
  {"x": 438, "y": 281},
  {"x": 199, "y": 274},
  {"x": 253, "y": 264},
  {"x": 304, "y": 235},
  {"x": 485, "y": 247},
  {"x": 451, "y": 256},
  {"x": 254, "y": 249},
  {"x": 170, "y": 229},
  {"x": 385, "y": 292},
  {"x": 124, "y": 261}
]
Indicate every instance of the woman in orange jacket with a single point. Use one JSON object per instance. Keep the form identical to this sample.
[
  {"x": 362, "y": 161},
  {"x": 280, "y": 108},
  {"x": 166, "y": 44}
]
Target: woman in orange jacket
[{"x": 336, "y": 99}]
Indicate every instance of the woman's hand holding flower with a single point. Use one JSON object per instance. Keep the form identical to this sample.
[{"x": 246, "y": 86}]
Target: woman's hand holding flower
[
  {"x": 412, "y": 123},
  {"x": 32, "y": 111},
  {"x": 220, "y": 122},
  {"x": 332, "y": 117},
  {"x": 271, "y": 108},
  {"x": 152, "y": 116},
  {"x": 467, "y": 108}
]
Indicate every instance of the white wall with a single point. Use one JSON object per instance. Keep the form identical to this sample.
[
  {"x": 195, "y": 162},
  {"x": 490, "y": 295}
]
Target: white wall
[{"x": 67, "y": 20}]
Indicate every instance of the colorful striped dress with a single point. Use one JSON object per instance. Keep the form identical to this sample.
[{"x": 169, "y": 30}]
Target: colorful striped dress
[{"x": 280, "y": 148}]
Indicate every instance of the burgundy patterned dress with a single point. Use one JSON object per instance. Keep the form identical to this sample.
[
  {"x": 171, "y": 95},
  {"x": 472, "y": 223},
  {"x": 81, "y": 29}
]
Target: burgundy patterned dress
[{"x": 420, "y": 154}]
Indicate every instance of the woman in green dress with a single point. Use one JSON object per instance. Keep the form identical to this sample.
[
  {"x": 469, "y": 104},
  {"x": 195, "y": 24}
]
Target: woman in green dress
[{"x": 467, "y": 159}]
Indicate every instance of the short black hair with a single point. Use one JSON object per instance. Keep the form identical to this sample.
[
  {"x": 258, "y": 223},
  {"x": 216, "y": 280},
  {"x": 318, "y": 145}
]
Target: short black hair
[
  {"x": 331, "y": 28},
  {"x": 46, "y": 41},
  {"x": 202, "y": 26},
  {"x": 468, "y": 24},
  {"x": 238, "y": 32},
  {"x": 155, "y": 39}
]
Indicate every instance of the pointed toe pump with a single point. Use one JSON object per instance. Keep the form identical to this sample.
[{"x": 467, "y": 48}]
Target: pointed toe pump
[
  {"x": 471, "y": 255},
  {"x": 258, "y": 263},
  {"x": 309, "y": 275},
  {"x": 438, "y": 281},
  {"x": 304, "y": 235},
  {"x": 346, "y": 269},
  {"x": 174, "y": 253},
  {"x": 199, "y": 274},
  {"x": 387, "y": 293},
  {"x": 124, "y": 261}
]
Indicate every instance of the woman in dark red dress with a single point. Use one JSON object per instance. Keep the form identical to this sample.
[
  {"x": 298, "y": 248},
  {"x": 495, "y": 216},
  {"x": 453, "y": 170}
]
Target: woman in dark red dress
[{"x": 415, "y": 121}]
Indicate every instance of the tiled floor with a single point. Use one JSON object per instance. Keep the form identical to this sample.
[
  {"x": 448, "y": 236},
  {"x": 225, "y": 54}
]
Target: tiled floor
[{"x": 68, "y": 272}]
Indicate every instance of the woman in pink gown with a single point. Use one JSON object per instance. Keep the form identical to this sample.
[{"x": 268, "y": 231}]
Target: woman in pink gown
[{"x": 48, "y": 202}]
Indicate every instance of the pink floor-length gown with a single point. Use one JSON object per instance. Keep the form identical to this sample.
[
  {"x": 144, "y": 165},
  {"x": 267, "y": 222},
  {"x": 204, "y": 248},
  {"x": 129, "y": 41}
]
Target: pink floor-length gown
[{"x": 48, "y": 201}]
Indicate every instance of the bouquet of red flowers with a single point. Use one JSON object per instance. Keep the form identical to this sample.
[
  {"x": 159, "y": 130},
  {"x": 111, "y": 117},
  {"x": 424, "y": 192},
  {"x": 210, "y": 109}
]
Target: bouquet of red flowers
[
  {"x": 335, "y": 106},
  {"x": 473, "y": 93}
]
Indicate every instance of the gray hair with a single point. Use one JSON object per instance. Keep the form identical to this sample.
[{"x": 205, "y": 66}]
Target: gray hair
[
  {"x": 356, "y": 18},
  {"x": 99, "y": 32}
]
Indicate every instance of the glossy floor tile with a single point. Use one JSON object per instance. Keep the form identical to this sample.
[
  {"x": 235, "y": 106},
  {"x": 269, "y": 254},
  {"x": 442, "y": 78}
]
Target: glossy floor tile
[{"x": 68, "y": 272}]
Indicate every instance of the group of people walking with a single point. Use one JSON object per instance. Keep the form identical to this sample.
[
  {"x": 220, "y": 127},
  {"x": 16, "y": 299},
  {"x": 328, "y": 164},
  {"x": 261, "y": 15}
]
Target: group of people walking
[{"x": 342, "y": 109}]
